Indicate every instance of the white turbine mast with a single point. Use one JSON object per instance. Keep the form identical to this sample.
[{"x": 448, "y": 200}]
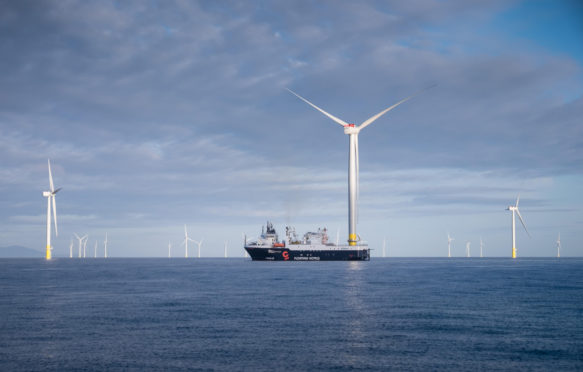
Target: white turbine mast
[
  {"x": 353, "y": 167},
  {"x": 169, "y": 249},
  {"x": 559, "y": 246},
  {"x": 514, "y": 210},
  {"x": 71, "y": 249},
  {"x": 85, "y": 248},
  {"x": 449, "y": 240},
  {"x": 80, "y": 239},
  {"x": 105, "y": 246},
  {"x": 198, "y": 244},
  {"x": 95, "y": 250},
  {"x": 50, "y": 195},
  {"x": 468, "y": 249}
]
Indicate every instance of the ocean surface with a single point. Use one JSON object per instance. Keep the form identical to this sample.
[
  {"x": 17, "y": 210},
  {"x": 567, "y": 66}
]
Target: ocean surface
[{"x": 235, "y": 314}]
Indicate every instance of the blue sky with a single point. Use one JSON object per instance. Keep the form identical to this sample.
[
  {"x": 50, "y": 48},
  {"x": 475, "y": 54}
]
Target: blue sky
[{"x": 157, "y": 114}]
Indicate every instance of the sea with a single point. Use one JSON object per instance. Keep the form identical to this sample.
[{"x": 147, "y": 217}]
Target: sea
[{"x": 402, "y": 314}]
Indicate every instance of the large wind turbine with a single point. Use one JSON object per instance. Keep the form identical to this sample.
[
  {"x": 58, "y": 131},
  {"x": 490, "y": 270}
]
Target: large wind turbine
[
  {"x": 50, "y": 195},
  {"x": 71, "y": 249},
  {"x": 353, "y": 173},
  {"x": 449, "y": 240},
  {"x": 514, "y": 209},
  {"x": 559, "y": 246},
  {"x": 185, "y": 242}
]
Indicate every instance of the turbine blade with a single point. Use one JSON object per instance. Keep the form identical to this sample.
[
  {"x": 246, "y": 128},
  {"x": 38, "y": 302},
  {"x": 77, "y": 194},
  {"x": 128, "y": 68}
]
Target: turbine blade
[
  {"x": 57, "y": 190},
  {"x": 339, "y": 121},
  {"x": 517, "y": 199},
  {"x": 368, "y": 121},
  {"x": 55, "y": 215},
  {"x": 77, "y": 236},
  {"x": 522, "y": 221},
  {"x": 51, "y": 177}
]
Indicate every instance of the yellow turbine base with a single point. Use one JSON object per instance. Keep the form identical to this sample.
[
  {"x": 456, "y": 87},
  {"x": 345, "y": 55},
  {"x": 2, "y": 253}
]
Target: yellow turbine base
[
  {"x": 513, "y": 252},
  {"x": 351, "y": 239},
  {"x": 49, "y": 255}
]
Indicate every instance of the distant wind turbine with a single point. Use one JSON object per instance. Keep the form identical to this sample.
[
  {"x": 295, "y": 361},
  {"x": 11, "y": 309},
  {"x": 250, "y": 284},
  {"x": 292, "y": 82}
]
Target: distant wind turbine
[
  {"x": 226, "y": 244},
  {"x": 198, "y": 244},
  {"x": 559, "y": 246},
  {"x": 353, "y": 164},
  {"x": 449, "y": 240},
  {"x": 95, "y": 250},
  {"x": 185, "y": 242},
  {"x": 169, "y": 248},
  {"x": 80, "y": 242},
  {"x": 71, "y": 249},
  {"x": 514, "y": 209},
  {"x": 467, "y": 249},
  {"x": 105, "y": 246},
  {"x": 85, "y": 248},
  {"x": 50, "y": 195}
]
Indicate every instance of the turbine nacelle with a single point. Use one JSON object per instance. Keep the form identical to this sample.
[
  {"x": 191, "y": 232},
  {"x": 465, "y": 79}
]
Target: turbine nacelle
[{"x": 351, "y": 129}]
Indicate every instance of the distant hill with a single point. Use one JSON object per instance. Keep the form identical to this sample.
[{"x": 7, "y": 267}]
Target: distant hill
[{"x": 17, "y": 251}]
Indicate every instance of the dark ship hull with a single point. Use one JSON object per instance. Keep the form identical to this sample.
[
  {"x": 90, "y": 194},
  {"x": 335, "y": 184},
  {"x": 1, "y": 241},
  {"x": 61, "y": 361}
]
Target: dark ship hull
[{"x": 285, "y": 254}]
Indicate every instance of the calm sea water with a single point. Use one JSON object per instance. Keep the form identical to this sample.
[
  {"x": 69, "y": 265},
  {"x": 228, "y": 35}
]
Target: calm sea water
[{"x": 234, "y": 314}]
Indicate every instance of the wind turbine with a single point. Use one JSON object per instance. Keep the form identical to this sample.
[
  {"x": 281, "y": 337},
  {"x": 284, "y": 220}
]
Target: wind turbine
[
  {"x": 226, "y": 244},
  {"x": 481, "y": 248},
  {"x": 185, "y": 242},
  {"x": 80, "y": 242},
  {"x": 353, "y": 172},
  {"x": 105, "y": 246},
  {"x": 50, "y": 195},
  {"x": 85, "y": 248},
  {"x": 71, "y": 249},
  {"x": 468, "y": 249},
  {"x": 95, "y": 250},
  {"x": 449, "y": 240},
  {"x": 169, "y": 248},
  {"x": 199, "y": 244},
  {"x": 559, "y": 246},
  {"x": 514, "y": 209}
]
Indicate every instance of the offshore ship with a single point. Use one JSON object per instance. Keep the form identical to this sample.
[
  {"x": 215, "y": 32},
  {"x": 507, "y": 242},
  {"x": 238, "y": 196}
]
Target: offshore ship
[{"x": 313, "y": 246}]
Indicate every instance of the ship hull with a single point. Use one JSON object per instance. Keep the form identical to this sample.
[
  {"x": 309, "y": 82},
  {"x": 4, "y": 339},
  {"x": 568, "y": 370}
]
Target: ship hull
[{"x": 284, "y": 254}]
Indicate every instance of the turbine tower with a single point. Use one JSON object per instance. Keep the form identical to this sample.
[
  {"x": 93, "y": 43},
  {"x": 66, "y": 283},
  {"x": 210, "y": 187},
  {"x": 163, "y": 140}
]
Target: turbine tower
[
  {"x": 468, "y": 249},
  {"x": 169, "y": 248},
  {"x": 95, "y": 250},
  {"x": 105, "y": 246},
  {"x": 80, "y": 239},
  {"x": 353, "y": 172},
  {"x": 559, "y": 246},
  {"x": 449, "y": 240},
  {"x": 50, "y": 195},
  {"x": 226, "y": 244},
  {"x": 514, "y": 209},
  {"x": 71, "y": 249}
]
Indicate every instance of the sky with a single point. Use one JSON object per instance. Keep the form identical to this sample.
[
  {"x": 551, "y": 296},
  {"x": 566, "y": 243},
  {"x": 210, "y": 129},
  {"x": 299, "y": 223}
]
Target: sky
[{"x": 160, "y": 114}]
